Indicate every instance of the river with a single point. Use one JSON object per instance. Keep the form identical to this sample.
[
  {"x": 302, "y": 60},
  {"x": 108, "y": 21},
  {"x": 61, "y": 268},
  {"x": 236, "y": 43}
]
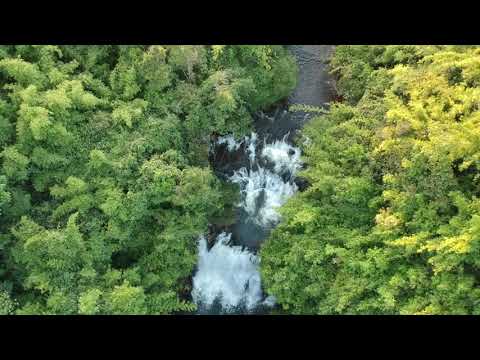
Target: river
[{"x": 264, "y": 165}]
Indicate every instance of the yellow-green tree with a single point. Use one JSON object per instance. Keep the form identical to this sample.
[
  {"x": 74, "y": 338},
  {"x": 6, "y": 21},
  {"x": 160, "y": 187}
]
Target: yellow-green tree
[{"x": 389, "y": 224}]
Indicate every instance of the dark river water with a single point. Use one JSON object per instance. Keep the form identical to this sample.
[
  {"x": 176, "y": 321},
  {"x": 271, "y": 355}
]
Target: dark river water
[{"x": 264, "y": 165}]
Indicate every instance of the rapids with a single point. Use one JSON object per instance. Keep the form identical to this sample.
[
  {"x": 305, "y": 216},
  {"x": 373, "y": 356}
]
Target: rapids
[{"x": 264, "y": 166}]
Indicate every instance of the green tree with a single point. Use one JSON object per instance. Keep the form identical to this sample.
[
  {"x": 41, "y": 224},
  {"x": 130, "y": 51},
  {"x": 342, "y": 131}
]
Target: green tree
[
  {"x": 389, "y": 222},
  {"x": 105, "y": 184}
]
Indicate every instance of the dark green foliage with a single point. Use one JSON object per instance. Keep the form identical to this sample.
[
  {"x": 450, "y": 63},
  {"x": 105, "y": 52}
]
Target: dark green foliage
[
  {"x": 390, "y": 223},
  {"x": 105, "y": 184}
]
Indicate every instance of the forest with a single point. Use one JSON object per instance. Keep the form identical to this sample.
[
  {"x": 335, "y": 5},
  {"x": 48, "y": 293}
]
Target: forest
[
  {"x": 390, "y": 223},
  {"x": 106, "y": 183}
]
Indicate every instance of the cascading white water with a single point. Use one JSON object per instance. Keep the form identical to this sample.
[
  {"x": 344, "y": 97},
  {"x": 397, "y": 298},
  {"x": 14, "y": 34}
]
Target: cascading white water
[
  {"x": 262, "y": 193},
  {"x": 232, "y": 144},
  {"x": 251, "y": 146},
  {"x": 229, "y": 274},
  {"x": 284, "y": 156},
  {"x": 266, "y": 182}
]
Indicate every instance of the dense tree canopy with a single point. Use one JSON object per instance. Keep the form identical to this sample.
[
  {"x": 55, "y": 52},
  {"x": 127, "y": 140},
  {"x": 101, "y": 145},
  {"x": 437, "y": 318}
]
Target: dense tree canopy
[
  {"x": 390, "y": 223},
  {"x": 105, "y": 184}
]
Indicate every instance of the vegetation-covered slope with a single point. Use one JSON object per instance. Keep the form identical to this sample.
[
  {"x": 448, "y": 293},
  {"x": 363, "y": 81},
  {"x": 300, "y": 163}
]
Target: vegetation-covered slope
[
  {"x": 105, "y": 184},
  {"x": 391, "y": 221}
]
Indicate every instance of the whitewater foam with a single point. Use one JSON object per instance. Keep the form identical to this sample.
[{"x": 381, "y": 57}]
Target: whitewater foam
[
  {"x": 232, "y": 144},
  {"x": 285, "y": 157},
  {"x": 229, "y": 274},
  {"x": 251, "y": 146},
  {"x": 262, "y": 193}
]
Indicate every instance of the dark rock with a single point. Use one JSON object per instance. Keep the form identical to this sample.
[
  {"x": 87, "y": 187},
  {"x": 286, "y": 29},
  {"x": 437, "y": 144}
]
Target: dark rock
[
  {"x": 302, "y": 184},
  {"x": 213, "y": 231}
]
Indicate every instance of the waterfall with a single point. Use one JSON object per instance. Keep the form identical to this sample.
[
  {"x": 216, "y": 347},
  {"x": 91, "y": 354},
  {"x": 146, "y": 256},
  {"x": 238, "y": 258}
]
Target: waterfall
[
  {"x": 262, "y": 192},
  {"x": 228, "y": 275},
  {"x": 286, "y": 158},
  {"x": 230, "y": 141}
]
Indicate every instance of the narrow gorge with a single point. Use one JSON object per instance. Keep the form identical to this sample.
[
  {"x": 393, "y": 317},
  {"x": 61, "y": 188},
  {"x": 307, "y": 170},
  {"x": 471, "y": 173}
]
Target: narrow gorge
[{"x": 264, "y": 166}]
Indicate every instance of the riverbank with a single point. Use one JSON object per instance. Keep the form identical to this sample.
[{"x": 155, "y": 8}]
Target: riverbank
[{"x": 263, "y": 165}]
